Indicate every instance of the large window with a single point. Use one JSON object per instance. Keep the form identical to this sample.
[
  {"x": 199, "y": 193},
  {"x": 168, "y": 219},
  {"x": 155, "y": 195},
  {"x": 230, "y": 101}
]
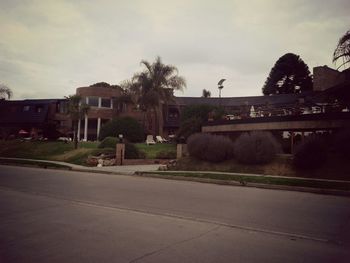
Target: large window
[
  {"x": 93, "y": 101},
  {"x": 105, "y": 103}
]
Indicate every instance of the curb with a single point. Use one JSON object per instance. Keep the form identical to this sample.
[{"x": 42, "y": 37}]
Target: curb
[
  {"x": 255, "y": 185},
  {"x": 203, "y": 180}
]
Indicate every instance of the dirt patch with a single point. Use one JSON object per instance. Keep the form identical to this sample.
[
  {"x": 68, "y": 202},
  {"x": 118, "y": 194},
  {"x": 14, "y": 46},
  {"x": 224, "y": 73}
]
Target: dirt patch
[{"x": 71, "y": 154}]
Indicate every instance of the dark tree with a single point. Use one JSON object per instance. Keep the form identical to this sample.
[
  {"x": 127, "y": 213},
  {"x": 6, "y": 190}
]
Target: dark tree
[
  {"x": 290, "y": 74},
  {"x": 155, "y": 86},
  {"x": 5, "y": 92},
  {"x": 206, "y": 93},
  {"x": 342, "y": 51},
  {"x": 77, "y": 110}
]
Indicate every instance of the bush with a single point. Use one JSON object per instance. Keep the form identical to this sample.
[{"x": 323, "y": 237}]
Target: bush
[
  {"x": 256, "y": 148},
  {"x": 187, "y": 128},
  {"x": 193, "y": 117},
  {"x": 109, "y": 142},
  {"x": 310, "y": 154},
  {"x": 341, "y": 143},
  {"x": 131, "y": 152},
  {"x": 127, "y": 126},
  {"x": 212, "y": 148},
  {"x": 166, "y": 155}
]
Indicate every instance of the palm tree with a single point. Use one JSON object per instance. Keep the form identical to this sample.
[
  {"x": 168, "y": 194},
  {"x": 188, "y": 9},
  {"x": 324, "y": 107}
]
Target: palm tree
[
  {"x": 206, "y": 93},
  {"x": 154, "y": 86},
  {"x": 342, "y": 50},
  {"x": 77, "y": 111},
  {"x": 5, "y": 92}
]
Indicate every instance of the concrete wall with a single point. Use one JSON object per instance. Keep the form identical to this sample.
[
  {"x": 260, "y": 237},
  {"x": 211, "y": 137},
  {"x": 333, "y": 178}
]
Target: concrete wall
[{"x": 282, "y": 125}]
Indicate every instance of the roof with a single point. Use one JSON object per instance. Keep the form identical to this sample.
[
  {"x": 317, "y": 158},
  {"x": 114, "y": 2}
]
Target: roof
[{"x": 251, "y": 100}]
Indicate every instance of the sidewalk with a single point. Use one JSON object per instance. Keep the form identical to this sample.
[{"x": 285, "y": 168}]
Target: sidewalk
[
  {"x": 125, "y": 169},
  {"x": 152, "y": 170}
]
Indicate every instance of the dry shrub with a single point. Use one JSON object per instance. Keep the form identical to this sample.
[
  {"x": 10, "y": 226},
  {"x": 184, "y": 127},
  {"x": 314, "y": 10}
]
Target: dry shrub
[
  {"x": 310, "y": 154},
  {"x": 256, "y": 148},
  {"x": 211, "y": 148}
]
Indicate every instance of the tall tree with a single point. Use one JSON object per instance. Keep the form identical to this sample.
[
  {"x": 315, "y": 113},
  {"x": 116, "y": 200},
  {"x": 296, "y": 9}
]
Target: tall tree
[
  {"x": 5, "y": 92},
  {"x": 154, "y": 86},
  {"x": 342, "y": 50},
  {"x": 206, "y": 93},
  {"x": 290, "y": 74},
  {"x": 77, "y": 110}
]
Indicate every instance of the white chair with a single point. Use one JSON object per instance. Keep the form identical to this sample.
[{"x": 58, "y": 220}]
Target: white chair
[
  {"x": 159, "y": 139},
  {"x": 149, "y": 140},
  {"x": 165, "y": 140}
]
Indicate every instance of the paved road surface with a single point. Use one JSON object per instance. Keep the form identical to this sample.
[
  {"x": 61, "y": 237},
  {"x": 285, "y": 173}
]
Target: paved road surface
[{"x": 64, "y": 216}]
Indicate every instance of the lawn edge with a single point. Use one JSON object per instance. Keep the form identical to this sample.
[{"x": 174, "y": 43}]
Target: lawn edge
[{"x": 166, "y": 175}]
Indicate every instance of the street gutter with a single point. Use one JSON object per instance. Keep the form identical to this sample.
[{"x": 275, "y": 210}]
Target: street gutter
[{"x": 180, "y": 176}]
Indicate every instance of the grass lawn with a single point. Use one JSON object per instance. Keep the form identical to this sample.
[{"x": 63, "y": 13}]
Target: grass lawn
[
  {"x": 335, "y": 168},
  {"x": 65, "y": 152},
  {"x": 49, "y": 150},
  {"x": 152, "y": 151},
  {"x": 246, "y": 179}
]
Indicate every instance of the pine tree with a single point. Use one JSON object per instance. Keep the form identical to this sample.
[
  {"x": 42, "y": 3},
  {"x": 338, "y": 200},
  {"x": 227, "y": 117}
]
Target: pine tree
[{"x": 290, "y": 74}]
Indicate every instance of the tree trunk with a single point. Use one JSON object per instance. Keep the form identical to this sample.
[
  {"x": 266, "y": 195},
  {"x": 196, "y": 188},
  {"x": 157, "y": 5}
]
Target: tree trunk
[{"x": 75, "y": 134}]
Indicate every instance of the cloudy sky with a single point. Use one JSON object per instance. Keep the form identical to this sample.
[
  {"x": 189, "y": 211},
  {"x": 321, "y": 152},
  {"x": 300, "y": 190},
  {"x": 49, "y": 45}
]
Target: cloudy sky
[{"x": 49, "y": 48}]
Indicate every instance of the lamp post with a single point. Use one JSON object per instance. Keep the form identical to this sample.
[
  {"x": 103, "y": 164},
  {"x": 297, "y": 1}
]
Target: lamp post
[
  {"x": 220, "y": 87},
  {"x": 120, "y": 151}
]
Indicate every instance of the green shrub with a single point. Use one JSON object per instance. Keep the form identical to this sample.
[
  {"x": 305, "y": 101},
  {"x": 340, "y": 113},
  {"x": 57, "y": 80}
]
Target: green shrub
[
  {"x": 341, "y": 143},
  {"x": 310, "y": 154},
  {"x": 193, "y": 117},
  {"x": 187, "y": 128},
  {"x": 166, "y": 154},
  {"x": 132, "y": 152},
  {"x": 108, "y": 142},
  {"x": 129, "y": 127},
  {"x": 256, "y": 148},
  {"x": 212, "y": 148}
]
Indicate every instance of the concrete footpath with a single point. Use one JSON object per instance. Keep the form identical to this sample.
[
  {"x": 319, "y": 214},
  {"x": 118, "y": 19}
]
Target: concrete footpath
[
  {"x": 124, "y": 169},
  {"x": 147, "y": 169}
]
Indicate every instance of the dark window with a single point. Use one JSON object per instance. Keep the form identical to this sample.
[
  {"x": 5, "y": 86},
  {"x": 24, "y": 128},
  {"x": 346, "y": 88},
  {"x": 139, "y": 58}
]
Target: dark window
[
  {"x": 106, "y": 103},
  {"x": 38, "y": 109},
  {"x": 26, "y": 108},
  {"x": 93, "y": 101},
  {"x": 63, "y": 107}
]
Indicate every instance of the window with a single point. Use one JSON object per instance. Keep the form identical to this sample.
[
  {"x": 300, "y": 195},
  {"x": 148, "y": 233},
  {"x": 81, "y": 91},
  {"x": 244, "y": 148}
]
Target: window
[
  {"x": 105, "y": 103},
  {"x": 38, "y": 109},
  {"x": 26, "y": 108},
  {"x": 93, "y": 101},
  {"x": 61, "y": 107}
]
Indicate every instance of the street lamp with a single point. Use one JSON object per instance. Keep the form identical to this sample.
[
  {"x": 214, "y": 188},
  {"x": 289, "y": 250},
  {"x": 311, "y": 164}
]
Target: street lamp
[{"x": 220, "y": 86}]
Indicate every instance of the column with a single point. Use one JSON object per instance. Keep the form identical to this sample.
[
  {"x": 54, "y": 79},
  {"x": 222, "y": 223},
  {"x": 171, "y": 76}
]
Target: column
[
  {"x": 98, "y": 127},
  {"x": 78, "y": 135},
  {"x": 86, "y": 128},
  {"x": 99, "y": 102},
  {"x": 292, "y": 143}
]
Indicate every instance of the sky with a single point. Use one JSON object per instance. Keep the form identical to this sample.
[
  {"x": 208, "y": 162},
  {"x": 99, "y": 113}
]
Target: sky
[{"x": 49, "y": 48}]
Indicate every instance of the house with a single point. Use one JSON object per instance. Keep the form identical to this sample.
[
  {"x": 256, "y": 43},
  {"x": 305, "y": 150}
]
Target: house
[
  {"x": 37, "y": 117},
  {"x": 330, "y": 94}
]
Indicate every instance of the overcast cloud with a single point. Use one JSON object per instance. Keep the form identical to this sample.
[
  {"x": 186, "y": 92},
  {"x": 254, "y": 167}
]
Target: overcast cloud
[{"x": 49, "y": 48}]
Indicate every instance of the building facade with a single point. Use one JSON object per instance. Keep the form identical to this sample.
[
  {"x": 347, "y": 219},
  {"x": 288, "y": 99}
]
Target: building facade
[{"x": 330, "y": 94}]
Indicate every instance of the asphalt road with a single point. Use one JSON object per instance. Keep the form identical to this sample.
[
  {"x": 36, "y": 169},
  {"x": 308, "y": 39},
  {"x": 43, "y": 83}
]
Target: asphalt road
[{"x": 63, "y": 216}]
